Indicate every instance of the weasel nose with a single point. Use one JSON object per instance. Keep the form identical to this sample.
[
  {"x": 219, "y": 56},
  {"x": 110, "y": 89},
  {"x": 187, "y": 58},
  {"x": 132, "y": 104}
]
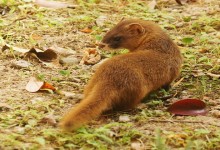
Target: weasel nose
[{"x": 102, "y": 45}]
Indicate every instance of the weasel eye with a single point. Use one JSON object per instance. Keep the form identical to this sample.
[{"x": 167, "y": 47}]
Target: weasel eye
[{"x": 117, "y": 38}]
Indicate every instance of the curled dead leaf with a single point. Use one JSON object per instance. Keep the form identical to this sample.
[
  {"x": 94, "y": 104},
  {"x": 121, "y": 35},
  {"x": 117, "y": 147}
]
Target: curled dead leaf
[
  {"x": 48, "y": 57},
  {"x": 48, "y": 86},
  {"x": 17, "y": 49},
  {"x": 86, "y": 30},
  {"x": 90, "y": 57},
  {"x": 44, "y": 56},
  {"x": 34, "y": 85}
]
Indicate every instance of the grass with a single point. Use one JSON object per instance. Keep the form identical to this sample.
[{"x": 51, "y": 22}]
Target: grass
[{"x": 194, "y": 27}]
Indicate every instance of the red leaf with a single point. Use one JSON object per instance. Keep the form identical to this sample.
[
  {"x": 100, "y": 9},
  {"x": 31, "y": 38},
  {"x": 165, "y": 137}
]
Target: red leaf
[
  {"x": 48, "y": 86},
  {"x": 86, "y": 30},
  {"x": 188, "y": 107}
]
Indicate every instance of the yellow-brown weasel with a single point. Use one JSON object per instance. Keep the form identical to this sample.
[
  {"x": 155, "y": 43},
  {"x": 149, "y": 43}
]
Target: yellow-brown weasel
[{"x": 121, "y": 82}]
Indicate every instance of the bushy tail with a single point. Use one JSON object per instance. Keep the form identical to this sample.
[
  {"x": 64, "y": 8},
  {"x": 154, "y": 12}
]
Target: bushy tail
[{"x": 89, "y": 108}]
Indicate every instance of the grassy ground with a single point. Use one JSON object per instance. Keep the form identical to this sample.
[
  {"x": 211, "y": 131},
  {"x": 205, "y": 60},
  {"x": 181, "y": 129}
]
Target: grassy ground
[{"x": 28, "y": 120}]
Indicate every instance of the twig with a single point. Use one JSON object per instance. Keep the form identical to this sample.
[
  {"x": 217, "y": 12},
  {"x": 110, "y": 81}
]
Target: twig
[{"x": 178, "y": 82}]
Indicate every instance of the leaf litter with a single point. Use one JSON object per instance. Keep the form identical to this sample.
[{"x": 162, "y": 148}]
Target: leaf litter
[{"x": 45, "y": 28}]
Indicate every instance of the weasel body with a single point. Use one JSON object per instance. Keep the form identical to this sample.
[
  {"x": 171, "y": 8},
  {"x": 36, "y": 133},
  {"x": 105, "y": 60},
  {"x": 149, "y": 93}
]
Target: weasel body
[{"x": 121, "y": 82}]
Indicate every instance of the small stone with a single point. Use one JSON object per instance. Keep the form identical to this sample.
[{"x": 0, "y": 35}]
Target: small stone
[
  {"x": 137, "y": 146},
  {"x": 36, "y": 100},
  {"x": 20, "y": 64},
  {"x": 124, "y": 118},
  {"x": 49, "y": 119},
  {"x": 100, "y": 21}
]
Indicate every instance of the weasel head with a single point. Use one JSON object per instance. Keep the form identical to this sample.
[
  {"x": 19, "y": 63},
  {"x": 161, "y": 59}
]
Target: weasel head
[{"x": 126, "y": 34}]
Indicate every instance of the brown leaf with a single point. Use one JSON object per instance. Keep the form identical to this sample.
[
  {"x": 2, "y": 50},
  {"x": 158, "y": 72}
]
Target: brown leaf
[
  {"x": 34, "y": 85},
  {"x": 21, "y": 50},
  {"x": 91, "y": 56},
  {"x": 189, "y": 107},
  {"x": 36, "y": 37},
  {"x": 86, "y": 30},
  {"x": 47, "y": 57},
  {"x": 48, "y": 86}
]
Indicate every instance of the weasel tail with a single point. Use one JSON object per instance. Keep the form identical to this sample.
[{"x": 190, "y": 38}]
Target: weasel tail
[{"x": 92, "y": 106}]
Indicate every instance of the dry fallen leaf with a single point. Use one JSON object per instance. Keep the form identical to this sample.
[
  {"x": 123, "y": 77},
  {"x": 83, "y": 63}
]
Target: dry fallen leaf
[
  {"x": 90, "y": 57},
  {"x": 34, "y": 85},
  {"x": 36, "y": 37},
  {"x": 86, "y": 30},
  {"x": 21, "y": 50},
  {"x": 48, "y": 86},
  {"x": 47, "y": 57},
  {"x": 44, "y": 56}
]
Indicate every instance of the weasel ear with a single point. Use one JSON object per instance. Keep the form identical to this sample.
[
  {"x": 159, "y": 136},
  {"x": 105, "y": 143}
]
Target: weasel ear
[{"x": 135, "y": 29}]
